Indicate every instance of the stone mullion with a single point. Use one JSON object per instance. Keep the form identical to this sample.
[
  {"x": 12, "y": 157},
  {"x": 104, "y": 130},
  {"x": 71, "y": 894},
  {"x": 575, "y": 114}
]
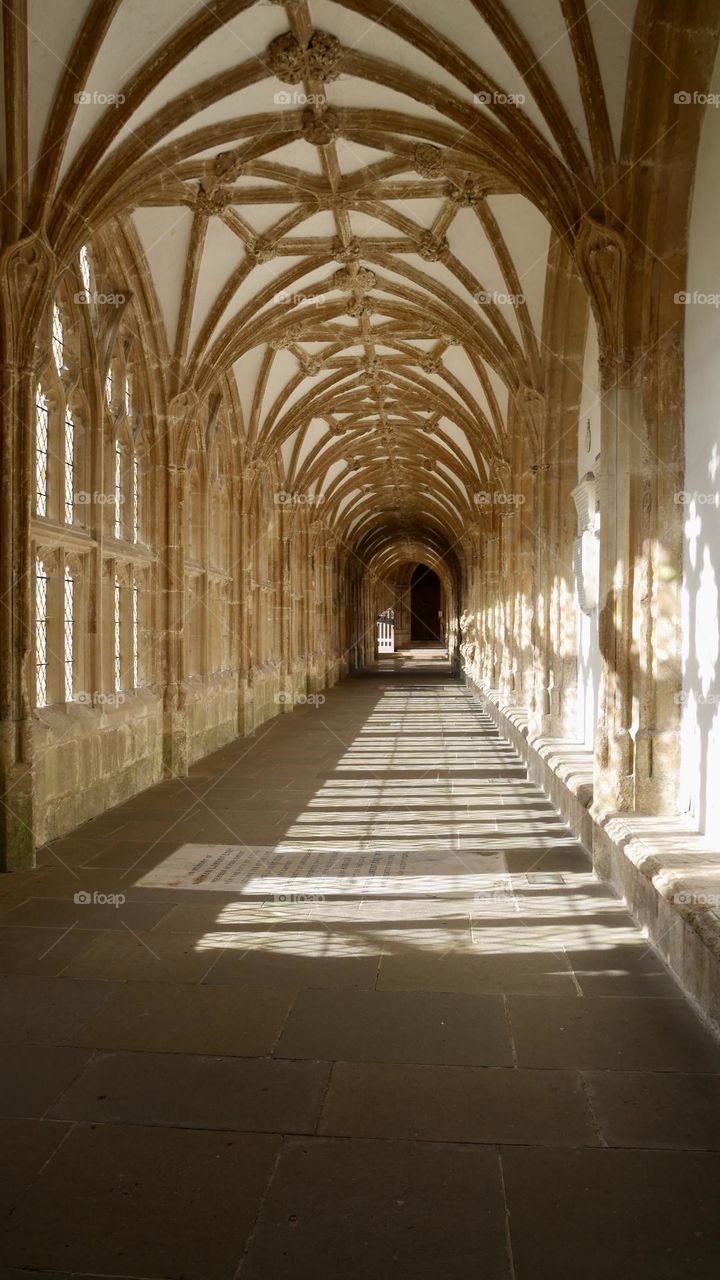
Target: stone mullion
[
  {"x": 562, "y": 683},
  {"x": 175, "y": 745},
  {"x": 614, "y": 755},
  {"x": 538, "y": 706},
  {"x": 508, "y": 544},
  {"x": 657, "y": 598}
]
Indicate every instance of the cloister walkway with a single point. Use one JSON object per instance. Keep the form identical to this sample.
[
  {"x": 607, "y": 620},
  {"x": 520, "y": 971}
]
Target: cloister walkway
[{"x": 347, "y": 1002}]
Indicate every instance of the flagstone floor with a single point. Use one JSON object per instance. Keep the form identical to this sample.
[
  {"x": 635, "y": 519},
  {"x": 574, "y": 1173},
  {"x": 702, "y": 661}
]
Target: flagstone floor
[{"x": 347, "y": 1003}]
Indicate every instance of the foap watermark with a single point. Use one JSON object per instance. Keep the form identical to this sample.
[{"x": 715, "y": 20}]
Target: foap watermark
[
  {"x": 299, "y": 299},
  {"x": 87, "y": 98},
  {"x": 285, "y": 699},
  {"x": 487, "y": 297},
  {"x": 685, "y": 497},
  {"x": 285, "y": 499},
  {"x": 697, "y": 299},
  {"x": 84, "y": 498},
  {"x": 84, "y": 898},
  {"x": 95, "y": 298},
  {"x": 297, "y": 98},
  {"x": 495, "y": 98},
  {"x": 99, "y": 699},
  {"x": 686, "y": 98},
  {"x": 498, "y": 499},
  {"x": 684, "y": 699},
  {"x": 298, "y": 899},
  {"x": 688, "y": 898}
]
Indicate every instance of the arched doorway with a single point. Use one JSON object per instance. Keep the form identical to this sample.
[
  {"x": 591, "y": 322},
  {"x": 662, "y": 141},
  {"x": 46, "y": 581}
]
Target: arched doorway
[{"x": 425, "y": 606}]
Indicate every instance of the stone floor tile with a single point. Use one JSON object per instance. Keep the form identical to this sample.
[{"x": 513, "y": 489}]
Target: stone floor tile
[
  {"x": 189, "y": 1018},
  {"x": 47, "y": 1010},
  {"x": 649, "y": 1215},
  {"x": 32, "y": 1076},
  {"x": 657, "y": 1108},
  {"x": 397, "y": 1026},
  {"x": 26, "y": 1146},
  {"x": 76, "y": 912},
  {"x": 457, "y": 1104},
  {"x": 196, "y": 1092},
  {"x": 151, "y": 1202},
  {"x": 533, "y": 973},
  {"x": 365, "y": 1210},
  {"x": 125, "y": 956},
  {"x": 41, "y": 951},
  {"x": 294, "y": 972},
  {"x": 620, "y": 1034}
]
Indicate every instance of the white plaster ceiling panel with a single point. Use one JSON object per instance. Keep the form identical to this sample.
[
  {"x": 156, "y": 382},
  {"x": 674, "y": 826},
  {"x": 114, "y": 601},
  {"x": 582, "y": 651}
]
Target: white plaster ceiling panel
[
  {"x": 286, "y": 452},
  {"x": 612, "y": 24},
  {"x": 500, "y": 390},
  {"x": 138, "y": 29},
  {"x": 376, "y": 40},
  {"x": 331, "y": 475},
  {"x": 255, "y": 100},
  {"x": 247, "y": 372},
  {"x": 460, "y": 22},
  {"x": 223, "y": 252},
  {"x": 459, "y": 438},
  {"x": 316, "y": 224},
  {"x": 314, "y": 433},
  {"x": 51, "y": 32},
  {"x": 544, "y": 27},
  {"x": 354, "y": 156},
  {"x": 263, "y": 217},
  {"x": 423, "y": 212},
  {"x": 262, "y": 276},
  {"x": 458, "y": 363},
  {"x": 297, "y": 154},
  {"x": 526, "y": 232},
  {"x": 165, "y": 237}
]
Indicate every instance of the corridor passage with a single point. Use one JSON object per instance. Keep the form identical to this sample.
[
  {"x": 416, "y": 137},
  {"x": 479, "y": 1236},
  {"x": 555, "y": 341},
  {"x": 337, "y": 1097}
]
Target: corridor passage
[{"x": 347, "y": 1003}]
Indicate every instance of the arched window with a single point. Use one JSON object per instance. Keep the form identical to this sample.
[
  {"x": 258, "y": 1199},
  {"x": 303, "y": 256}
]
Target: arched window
[
  {"x": 41, "y": 453},
  {"x": 135, "y": 497},
  {"x": 119, "y": 495},
  {"x": 69, "y": 467},
  {"x": 69, "y": 635},
  {"x": 41, "y": 634},
  {"x": 117, "y": 635},
  {"x": 58, "y": 339},
  {"x": 85, "y": 271},
  {"x": 135, "y": 635}
]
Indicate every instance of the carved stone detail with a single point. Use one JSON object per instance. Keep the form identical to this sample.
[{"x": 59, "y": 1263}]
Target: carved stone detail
[
  {"x": 431, "y": 248},
  {"x": 428, "y": 160},
  {"x": 320, "y": 128},
  {"x": 320, "y": 59}
]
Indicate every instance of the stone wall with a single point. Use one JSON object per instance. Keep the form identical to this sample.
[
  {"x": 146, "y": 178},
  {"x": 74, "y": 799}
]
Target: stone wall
[{"x": 88, "y": 759}]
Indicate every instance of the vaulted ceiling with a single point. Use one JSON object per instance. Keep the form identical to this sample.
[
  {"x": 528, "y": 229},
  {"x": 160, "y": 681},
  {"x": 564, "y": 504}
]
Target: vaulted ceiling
[{"x": 347, "y": 206}]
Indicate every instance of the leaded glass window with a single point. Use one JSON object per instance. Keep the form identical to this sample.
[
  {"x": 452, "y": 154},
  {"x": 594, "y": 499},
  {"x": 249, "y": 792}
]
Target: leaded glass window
[
  {"x": 41, "y": 634},
  {"x": 68, "y": 633},
  {"x": 85, "y": 269},
  {"x": 136, "y": 635},
  {"x": 117, "y": 636},
  {"x": 136, "y": 498},
  {"x": 58, "y": 339},
  {"x": 41, "y": 454},
  {"x": 118, "y": 489},
  {"x": 69, "y": 467}
]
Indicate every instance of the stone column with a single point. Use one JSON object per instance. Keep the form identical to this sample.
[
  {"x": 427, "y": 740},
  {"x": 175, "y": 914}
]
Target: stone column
[
  {"x": 175, "y": 734},
  {"x": 26, "y": 278}
]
